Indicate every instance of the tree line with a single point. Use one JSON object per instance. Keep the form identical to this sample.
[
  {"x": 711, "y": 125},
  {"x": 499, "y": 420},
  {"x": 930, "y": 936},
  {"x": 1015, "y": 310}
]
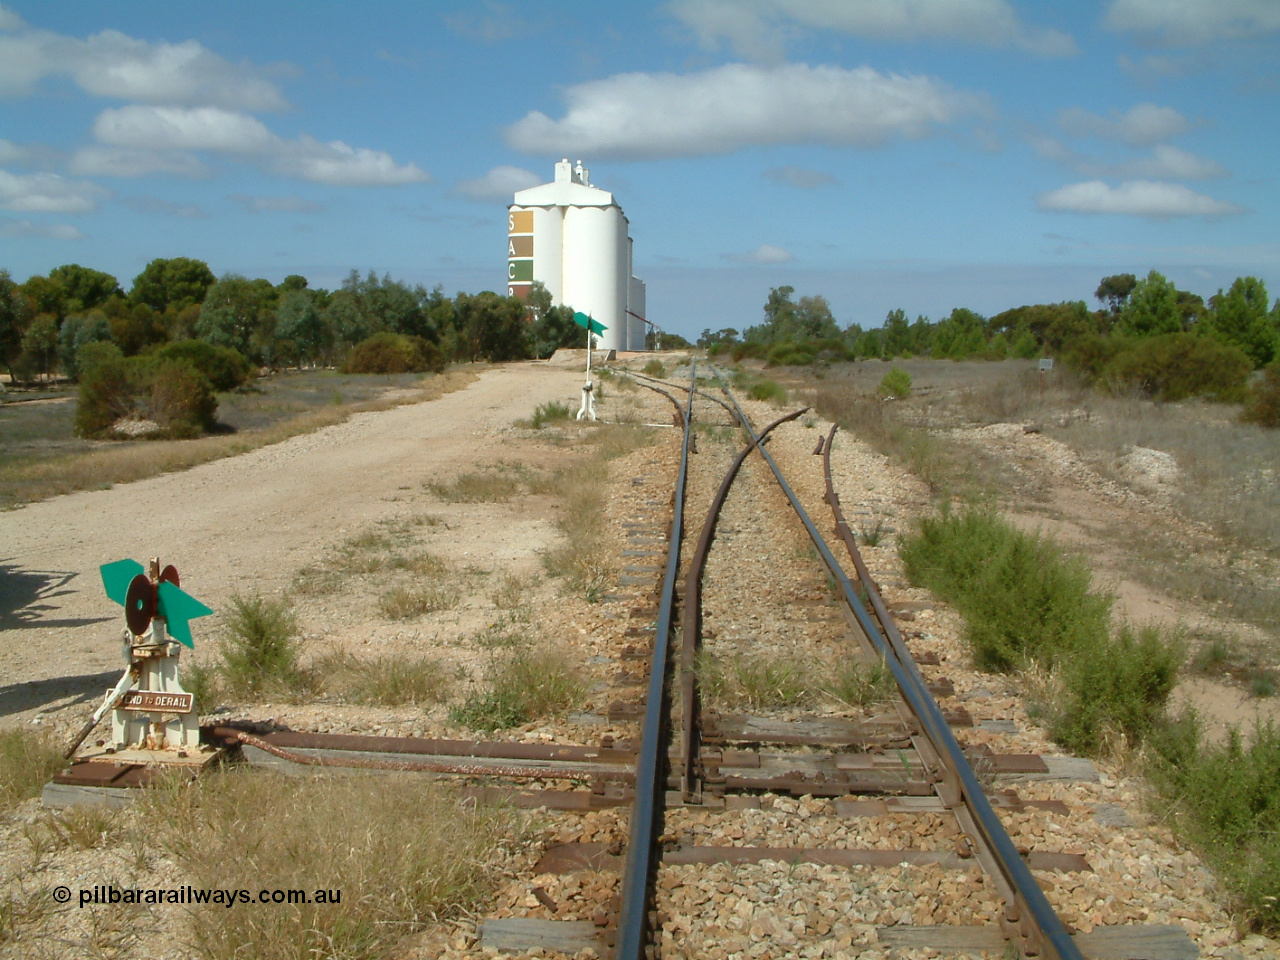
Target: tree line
[
  {"x": 1147, "y": 336},
  {"x": 801, "y": 330},
  {"x": 47, "y": 321}
]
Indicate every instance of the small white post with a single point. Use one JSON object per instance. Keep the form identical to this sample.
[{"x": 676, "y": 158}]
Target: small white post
[{"x": 588, "y": 408}]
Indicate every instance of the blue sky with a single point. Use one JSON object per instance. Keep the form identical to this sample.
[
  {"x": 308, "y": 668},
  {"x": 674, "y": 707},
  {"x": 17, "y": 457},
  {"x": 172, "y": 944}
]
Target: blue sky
[{"x": 923, "y": 154}]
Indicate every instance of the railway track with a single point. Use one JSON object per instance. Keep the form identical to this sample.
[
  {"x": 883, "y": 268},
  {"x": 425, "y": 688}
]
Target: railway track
[{"x": 789, "y": 813}]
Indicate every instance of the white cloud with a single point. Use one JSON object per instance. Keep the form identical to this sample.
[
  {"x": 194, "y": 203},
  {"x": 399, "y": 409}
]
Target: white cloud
[
  {"x": 112, "y": 64},
  {"x": 276, "y": 204},
  {"x": 10, "y": 151},
  {"x": 1190, "y": 22},
  {"x": 102, "y": 161},
  {"x": 160, "y": 131},
  {"x": 759, "y": 29},
  {"x": 48, "y": 193},
  {"x": 1138, "y": 198},
  {"x": 340, "y": 165},
  {"x": 185, "y": 211},
  {"x": 1142, "y": 126},
  {"x": 49, "y": 231},
  {"x": 765, "y": 253},
  {"x": 498, "y": 184},
  {"x": 800, "y": 177},
  {"x": 643, "y": 115},
  {"x": 183, "y": 128},
  {"x": 1165, "y": 163},
  {"x": 9, "y": 20}
]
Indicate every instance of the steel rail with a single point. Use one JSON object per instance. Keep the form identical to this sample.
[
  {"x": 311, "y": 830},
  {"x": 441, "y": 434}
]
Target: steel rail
[
  {"x": 1046, "y": 927},
  {"x": 691, "y": 633},
  {"x": 701, "y": 393},
  {"x": 679, "y": 415},
  {"x": 651, "y": 781}
]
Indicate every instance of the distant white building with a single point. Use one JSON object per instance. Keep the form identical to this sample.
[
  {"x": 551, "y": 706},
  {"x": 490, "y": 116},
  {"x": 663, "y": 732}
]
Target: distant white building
[{"x": 572, "y": 237}]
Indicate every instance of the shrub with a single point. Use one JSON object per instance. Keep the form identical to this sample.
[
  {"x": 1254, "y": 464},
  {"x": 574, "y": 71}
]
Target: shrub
[
  {"x": 547, "y": 412},
  {"x": 1263, "y": 404},
  {"x": 1021, "y": 598},
  {"x": 223, "y": 367},
  {"x": 171, "y": 393},
  {"x": 655, "y": 368},
  {"x": 1119, "y": 686},
  {"x": 394, "y": 353},
  {"x": 896, "y": 383},
  {"x": 768, "y": 390},
  {"x": 390, "y": 681},
  {"x": 179, "y": 398},
  {"x": 1175, "y": 366},
  {"x": 405, "y": 603},
  {"x": 94, "y": 353},
  {"x": 260, "y": 652},
  {"x": 789, "y": 354},
  {"x": 106, "y": 390},
  {"x": 1223, "y": 800}
]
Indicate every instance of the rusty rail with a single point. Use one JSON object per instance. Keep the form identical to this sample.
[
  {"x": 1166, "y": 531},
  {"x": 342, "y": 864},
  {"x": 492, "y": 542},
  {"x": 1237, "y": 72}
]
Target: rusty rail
[
  {"x": 1028, "y": 915},
  {"x": 691, "y": 633}
]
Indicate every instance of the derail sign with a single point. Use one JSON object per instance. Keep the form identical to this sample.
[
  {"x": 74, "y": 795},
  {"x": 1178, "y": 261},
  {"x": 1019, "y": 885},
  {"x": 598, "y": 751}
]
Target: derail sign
[{"x": 147, "y": 701}]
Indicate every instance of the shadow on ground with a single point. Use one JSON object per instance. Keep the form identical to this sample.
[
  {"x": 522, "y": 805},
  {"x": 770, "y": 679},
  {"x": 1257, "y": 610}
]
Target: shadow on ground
[
  {"x": 29, "y": 597},
  {"x": 65, "y": 691}
]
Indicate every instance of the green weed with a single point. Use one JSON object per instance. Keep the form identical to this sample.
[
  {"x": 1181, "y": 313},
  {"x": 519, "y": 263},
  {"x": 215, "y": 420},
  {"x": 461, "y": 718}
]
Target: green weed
[
  {"x": 1020, "y": 596},
  {"x": 552, "y": 411},
  {"x": 261, "y": 648},
  {"x": 757, "y": 682},
  {"x": 859, "y": 685},
  {"x": 1119, "y": 686},
  {"x": 526, "y": 685},
  {"x": 1223, "y": 800},
  {"x": 896, "y": 384}
]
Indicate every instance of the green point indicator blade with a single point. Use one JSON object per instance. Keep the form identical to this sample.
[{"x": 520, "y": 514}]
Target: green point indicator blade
[
  {"x": 177, "y": 608},
  {"x": 582, "y": 320},
  {"x": 117, "y": 576}
]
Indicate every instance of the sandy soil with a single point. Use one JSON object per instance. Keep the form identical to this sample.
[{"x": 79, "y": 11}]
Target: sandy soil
[{"x": 240, "y": 525}]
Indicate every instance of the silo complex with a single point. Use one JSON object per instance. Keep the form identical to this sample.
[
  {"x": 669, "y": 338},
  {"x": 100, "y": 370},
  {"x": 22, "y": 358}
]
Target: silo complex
[{"x": 572, "y": 237}]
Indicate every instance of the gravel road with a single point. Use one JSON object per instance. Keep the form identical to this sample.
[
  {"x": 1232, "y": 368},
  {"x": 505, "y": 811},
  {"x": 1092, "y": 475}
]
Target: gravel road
[{"x": 243, "y": 524}]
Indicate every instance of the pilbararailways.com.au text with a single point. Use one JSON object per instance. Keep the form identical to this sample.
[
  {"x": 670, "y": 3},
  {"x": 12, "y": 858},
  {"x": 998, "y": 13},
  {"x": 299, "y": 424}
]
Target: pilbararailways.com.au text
[{"x": 104, "y": 895}]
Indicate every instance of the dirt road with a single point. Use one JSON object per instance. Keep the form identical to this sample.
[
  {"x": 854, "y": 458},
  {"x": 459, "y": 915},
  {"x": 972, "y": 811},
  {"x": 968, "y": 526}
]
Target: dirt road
[{"x": 240, "y": 525}]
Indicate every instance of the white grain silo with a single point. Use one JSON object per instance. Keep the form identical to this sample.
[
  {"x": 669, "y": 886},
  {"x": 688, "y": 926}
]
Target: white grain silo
[{"x": 572, "y": 237}]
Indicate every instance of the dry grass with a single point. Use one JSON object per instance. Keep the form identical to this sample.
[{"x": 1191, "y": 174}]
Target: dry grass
[
  {"x": 26, "y": 481},
  {"x": 389, "y": 681},
  {"x": 405, "y": 603},
  {"x": 430, "y": 857},
  {"x": 586, "y": 567},
  {"x": 525, "y": 684},
  {"x": 511, "y": 592},
  {"x": 759, "y": 682},
  {"x": 27, "y": 761},
  {"x": 492, "y": 483}
]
